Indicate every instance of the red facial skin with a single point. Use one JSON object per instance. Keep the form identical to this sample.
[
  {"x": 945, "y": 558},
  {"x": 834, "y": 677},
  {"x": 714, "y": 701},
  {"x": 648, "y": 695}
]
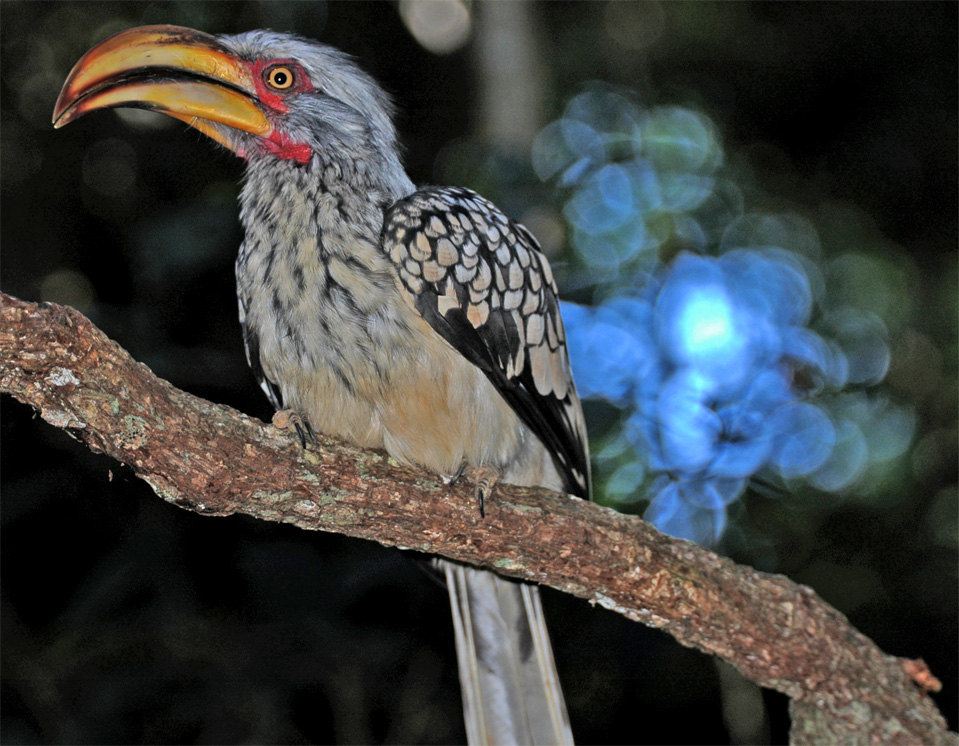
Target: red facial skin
[{"x": 279, "y": 143}]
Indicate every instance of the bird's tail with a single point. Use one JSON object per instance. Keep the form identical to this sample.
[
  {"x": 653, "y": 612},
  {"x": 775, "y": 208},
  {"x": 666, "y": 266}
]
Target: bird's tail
[{"x": 511, "y": 692}]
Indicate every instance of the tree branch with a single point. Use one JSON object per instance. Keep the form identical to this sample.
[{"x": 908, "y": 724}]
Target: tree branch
[{"x": 216, "y": 461}]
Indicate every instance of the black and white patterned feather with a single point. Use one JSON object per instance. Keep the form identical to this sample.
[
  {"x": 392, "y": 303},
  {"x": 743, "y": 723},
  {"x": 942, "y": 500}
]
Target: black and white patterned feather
[{"x": 479, "y": 279}]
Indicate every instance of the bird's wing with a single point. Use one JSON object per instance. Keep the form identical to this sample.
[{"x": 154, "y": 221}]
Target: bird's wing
[
  {"x": 480, "y": 281},
  {"x": 251, "y": 345}
]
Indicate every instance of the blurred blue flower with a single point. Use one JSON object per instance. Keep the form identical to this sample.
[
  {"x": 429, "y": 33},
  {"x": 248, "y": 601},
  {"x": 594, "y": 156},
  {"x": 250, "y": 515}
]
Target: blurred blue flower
[
  {"x": 805, "y": 439},
  {"x": 701, "y": 325},
  {"x": 711, "y": 360},
  {"x": 604, "y": 203},
  {"x": 846, "y": 460},
  {"x": 693, "y": 509},
  {"x": 617, "y": 356}
]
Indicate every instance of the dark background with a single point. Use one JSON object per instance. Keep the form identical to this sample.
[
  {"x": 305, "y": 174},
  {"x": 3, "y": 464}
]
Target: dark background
[{"x": 128, "y": 620}]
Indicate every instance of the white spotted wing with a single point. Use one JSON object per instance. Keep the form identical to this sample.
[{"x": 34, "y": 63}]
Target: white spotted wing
[{"x": 480, "y": 281}]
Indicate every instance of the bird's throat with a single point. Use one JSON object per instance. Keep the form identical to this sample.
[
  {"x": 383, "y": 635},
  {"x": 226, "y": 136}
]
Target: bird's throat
[
  {"x": 316, "y": 290},
  {"x": 282, "y": 146}
]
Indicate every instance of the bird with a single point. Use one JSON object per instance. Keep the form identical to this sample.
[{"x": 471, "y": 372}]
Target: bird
[{"x": 418, "y": 320}]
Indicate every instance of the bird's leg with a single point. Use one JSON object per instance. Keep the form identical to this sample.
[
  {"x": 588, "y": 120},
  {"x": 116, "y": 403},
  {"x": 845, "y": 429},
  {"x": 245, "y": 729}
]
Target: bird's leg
[
  {"x": 284, "y": 418},
  {"x": 485, "y": 480}
]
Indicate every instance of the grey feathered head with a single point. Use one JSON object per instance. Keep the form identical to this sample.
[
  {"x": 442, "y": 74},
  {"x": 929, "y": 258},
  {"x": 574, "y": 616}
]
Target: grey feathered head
[
  {"x": 262, "y": 94},
  {"x": 340, "y": 105}
]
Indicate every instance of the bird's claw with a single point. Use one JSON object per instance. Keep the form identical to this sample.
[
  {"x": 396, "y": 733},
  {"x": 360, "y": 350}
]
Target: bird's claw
[
  {"x": 459, "y": 473},
  {"x": 284, "y": 418},
  {"x": 485, "y": 480}
]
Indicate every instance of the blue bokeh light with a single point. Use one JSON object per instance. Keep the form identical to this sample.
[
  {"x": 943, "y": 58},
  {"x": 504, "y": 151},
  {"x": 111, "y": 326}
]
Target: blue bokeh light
[
  {"x": 709, "y": 333},
  {"x": 697, "y": 358}
]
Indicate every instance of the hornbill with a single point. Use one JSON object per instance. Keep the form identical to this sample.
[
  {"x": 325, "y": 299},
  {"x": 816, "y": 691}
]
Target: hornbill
[{"x": 420, "y": 321}]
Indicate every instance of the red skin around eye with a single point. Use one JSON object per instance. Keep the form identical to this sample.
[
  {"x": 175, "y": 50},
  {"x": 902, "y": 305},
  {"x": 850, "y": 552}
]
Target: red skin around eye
[{"x": 279, "y": 143}]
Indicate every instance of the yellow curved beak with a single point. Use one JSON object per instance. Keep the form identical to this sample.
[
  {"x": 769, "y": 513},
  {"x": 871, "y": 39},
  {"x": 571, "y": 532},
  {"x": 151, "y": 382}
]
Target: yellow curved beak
[{"x": 178, "y": 71}]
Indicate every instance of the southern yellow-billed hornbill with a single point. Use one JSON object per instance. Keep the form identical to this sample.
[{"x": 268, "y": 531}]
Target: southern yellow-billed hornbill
[{"x": 422, "y": 321}]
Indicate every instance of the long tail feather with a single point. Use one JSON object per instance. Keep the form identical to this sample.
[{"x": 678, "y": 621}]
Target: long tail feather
[{"x": 511, "y": 692}]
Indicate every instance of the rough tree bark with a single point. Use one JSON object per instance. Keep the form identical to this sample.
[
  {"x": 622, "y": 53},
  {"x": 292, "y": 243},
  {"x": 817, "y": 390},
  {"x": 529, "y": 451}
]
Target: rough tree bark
[{"x": 216, "y": 461}]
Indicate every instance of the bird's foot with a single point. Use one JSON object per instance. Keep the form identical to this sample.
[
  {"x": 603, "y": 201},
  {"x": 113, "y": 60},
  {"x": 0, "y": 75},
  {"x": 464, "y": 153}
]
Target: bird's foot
[
  {"x": 286, "y": 418},
  {"x": 485, "y": 480},
  {"x": 456, "y": 477}
]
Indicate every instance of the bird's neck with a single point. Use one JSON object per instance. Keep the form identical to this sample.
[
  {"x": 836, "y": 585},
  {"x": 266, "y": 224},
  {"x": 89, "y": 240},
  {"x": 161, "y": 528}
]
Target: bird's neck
[
  {"x": 336, "y": 202},
  {"x": 312, "y": 277},
  {"x": 312, "y": 229}
]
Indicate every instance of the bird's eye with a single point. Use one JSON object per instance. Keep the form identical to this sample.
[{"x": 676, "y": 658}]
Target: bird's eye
[{"x": 279, "y": 77}]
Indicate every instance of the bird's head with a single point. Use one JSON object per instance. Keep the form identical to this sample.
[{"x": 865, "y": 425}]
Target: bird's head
[{"x": 264, "y": 95}]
